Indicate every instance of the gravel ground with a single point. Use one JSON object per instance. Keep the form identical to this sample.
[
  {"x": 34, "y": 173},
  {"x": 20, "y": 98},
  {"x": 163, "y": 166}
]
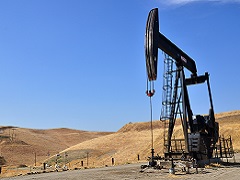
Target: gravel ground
[{"x": 133, "y": 171}]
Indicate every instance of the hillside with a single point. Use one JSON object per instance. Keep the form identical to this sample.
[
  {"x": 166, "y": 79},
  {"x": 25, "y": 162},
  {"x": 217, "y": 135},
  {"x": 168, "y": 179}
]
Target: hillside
[
  {"x": 135, "y": 139},
  {"x": 19, "y": 145}
]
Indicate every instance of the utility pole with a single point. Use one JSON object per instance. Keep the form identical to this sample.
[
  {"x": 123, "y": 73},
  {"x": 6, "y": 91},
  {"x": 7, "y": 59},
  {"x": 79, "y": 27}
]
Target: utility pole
[
  {"x": 87, "y": 158},
  {"x": 35, "y": 155}
]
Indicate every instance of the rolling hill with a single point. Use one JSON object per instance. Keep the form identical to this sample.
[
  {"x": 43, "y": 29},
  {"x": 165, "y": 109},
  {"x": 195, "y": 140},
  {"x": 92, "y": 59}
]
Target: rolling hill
[
  {"x": 21, "y": 146},
  {"x": 132, "y": 141}
]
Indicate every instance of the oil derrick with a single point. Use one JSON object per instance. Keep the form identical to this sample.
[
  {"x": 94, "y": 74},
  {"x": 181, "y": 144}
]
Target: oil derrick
[{"x": 200, "y": 131}]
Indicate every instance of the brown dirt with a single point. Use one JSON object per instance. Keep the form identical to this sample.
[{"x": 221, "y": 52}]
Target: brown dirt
[
  {"x": 96, "y": 149},
  {"x": 19, "y": 145},
  {"x": 134, "y": 139},
  {"x": 133, "y": 171}
]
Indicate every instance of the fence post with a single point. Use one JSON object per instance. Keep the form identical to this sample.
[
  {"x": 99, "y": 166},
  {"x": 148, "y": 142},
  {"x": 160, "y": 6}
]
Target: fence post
[{"x": 112, "y": 161}]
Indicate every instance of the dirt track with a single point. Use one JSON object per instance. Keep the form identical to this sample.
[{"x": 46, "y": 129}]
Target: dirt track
[{"x": 132, "y": 171}]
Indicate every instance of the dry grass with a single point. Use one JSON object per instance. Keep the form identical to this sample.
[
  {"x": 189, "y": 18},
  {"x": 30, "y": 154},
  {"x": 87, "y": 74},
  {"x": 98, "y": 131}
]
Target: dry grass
[
  {"x": 124, "y": 145},
  {"x": 19, "y": 146},
  {"x": 135, "y": 139}
]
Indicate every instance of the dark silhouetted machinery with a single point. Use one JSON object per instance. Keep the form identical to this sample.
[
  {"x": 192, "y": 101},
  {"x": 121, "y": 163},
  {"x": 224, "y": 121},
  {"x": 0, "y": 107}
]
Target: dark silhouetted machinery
[{"x": 200, "y": 132}]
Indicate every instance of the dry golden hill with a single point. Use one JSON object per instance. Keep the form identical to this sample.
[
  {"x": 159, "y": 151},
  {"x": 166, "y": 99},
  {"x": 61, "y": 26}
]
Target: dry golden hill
[
  {"x": 20, "y": 145},
  {"x": 135, "y": 139}
]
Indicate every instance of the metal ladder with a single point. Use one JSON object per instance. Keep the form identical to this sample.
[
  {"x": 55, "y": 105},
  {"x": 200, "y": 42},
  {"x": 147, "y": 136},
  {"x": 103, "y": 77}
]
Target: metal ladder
[
  {"x": 167, "y": 88},
  {"x": 167, "y": 94}
]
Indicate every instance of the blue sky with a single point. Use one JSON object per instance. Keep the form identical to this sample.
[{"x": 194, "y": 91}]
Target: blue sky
[{"x": 80, "y": 64}]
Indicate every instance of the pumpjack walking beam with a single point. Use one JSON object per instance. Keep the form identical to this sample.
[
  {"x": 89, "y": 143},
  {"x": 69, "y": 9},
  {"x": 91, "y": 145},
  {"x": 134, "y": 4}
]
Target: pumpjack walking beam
[{"x": 172, "y": 50}]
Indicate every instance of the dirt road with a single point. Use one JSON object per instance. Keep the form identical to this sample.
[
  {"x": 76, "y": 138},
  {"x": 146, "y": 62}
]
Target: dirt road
[{"x": 132, "y": 171}]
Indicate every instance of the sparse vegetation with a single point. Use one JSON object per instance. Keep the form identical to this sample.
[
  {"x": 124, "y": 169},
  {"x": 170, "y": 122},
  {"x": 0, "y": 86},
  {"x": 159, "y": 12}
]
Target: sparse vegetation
[
  {"x": 22, "y": 166},
  {"x": 94, "y": 149}
]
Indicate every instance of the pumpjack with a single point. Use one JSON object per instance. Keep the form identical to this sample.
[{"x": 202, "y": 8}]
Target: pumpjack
[{"x": 200, "y": 132}]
